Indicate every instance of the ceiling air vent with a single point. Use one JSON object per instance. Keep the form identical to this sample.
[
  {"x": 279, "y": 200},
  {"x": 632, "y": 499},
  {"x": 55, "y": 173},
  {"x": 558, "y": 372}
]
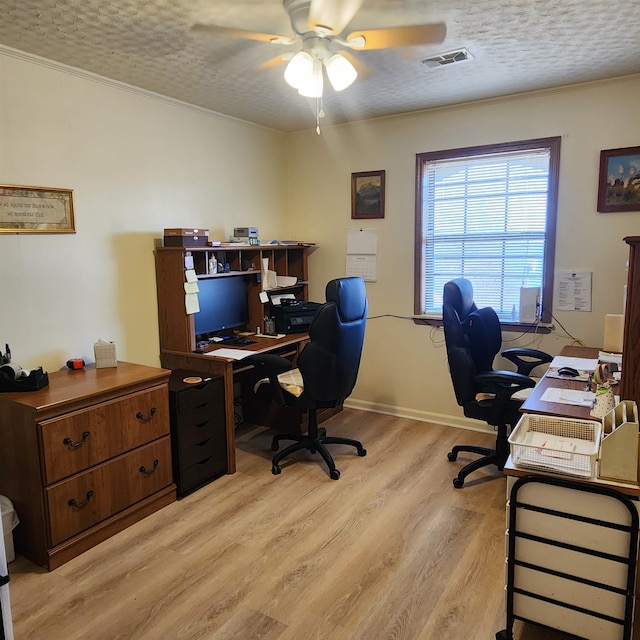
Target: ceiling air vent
[{"x": 445, "y": 59}]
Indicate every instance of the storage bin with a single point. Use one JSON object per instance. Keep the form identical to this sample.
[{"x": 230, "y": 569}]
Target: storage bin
[
  {"x": 9, "y": 523},
  {"x": 556, "y": 445}
]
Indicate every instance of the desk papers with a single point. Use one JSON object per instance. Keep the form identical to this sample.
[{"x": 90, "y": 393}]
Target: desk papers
[
  {"x": 581, "y": 364},
  {"x": 233, "y": 354},
  {"x": 569, "y": 396}
]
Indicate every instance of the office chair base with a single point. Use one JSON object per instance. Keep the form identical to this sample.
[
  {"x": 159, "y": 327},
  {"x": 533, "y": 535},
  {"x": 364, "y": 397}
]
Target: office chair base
[
  {"x": 489, "y": 456},
  {"x": 314, "y": 444}
]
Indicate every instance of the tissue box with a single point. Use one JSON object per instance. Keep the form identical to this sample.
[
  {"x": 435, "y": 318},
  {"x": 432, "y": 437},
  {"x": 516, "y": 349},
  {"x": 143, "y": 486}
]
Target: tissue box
[{"x": 105, "y": 353}]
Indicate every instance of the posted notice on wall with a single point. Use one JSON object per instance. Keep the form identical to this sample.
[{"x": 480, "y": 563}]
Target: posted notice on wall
[{"x": 572, "y": 291}]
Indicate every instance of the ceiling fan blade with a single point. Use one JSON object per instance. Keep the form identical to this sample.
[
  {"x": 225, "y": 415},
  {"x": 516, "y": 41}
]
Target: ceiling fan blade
[
  {"x": 229, "y": 32},
  {"x": 276, "y": 62},
  {"x": 333, "y": 15},
  {"x": 401, "y": 36}
]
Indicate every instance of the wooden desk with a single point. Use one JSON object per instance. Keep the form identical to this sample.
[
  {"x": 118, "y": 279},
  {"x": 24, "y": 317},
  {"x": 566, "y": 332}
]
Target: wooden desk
[
  {"x": 208, "y": 363},
  {"x": 534, "y": 403}
]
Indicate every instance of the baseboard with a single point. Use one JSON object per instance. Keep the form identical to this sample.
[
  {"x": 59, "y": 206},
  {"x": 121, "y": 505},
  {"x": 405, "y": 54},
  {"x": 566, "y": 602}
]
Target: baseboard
[{"x": 415, "y": 414}]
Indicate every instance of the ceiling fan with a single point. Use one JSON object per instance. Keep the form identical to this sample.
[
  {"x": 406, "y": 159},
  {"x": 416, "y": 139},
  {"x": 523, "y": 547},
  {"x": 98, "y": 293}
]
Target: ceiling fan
[{"x": 321, "y": 40}]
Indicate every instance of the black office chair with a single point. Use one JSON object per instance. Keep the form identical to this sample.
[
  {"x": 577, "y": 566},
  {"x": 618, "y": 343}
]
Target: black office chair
[
  {"x": 327, "y": 369},
  {"x": 473, "y": 338}
]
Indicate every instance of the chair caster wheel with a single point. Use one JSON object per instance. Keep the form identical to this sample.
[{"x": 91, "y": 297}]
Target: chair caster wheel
[
  {"x": 334, "y": 473},
  {"x": 362, "y": 453},
  {"x": 457, "y": 483},
  {"x": 276, "y": 470},
  {"x": 452, "y": 457}
]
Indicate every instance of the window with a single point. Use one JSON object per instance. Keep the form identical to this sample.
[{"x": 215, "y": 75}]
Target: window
[{"x": 489, "y": 214}]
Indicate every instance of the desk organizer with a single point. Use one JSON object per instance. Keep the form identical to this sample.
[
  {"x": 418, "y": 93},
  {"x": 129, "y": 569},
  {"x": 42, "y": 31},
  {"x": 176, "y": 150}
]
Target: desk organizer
[
  {"x": 619, "y": 446},
  {"x": 557, "y": 445}
]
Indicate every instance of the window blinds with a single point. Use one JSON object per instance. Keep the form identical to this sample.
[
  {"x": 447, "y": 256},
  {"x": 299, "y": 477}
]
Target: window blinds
[{"x": 485, "y": 219}]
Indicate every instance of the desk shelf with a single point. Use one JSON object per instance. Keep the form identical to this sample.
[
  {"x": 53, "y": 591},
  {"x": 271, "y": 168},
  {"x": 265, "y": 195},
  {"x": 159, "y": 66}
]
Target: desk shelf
[{"x": 177, "y": 327}]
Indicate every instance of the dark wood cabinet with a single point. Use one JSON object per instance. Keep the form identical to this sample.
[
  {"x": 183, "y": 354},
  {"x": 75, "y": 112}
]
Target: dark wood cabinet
[
  {"x": 198, "y": 429},
  {"x": 85, "y": 457},
  {"x": 630, "y": 380}
]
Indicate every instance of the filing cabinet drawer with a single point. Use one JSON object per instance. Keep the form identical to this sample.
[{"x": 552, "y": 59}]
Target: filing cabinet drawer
[
  {"x": 79, "y": 502},
  {"x": 201, "y": 450},
  {"x": 201, "y": 398},
  {"x": 202, "y": 472},
  {"x": 81, "y": 439},
  {"x": 198, "y": 430},
  {"x": 192, "y": 434}
]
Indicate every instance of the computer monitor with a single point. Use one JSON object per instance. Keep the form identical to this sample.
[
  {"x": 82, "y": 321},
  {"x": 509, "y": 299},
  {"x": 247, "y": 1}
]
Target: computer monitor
[{"x": 223, "y": 305}]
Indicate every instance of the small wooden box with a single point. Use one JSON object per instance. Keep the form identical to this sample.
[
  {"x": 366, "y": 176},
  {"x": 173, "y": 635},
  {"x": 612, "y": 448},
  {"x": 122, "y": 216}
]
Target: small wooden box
[{"x": 186, "y": 237}]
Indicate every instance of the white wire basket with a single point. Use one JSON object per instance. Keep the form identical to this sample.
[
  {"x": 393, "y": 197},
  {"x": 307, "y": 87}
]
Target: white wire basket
[{"x": 557, "y": 445}]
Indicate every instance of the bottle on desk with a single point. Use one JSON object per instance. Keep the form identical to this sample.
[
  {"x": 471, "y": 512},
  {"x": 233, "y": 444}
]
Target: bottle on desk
[{"x": 213, "y": 265}]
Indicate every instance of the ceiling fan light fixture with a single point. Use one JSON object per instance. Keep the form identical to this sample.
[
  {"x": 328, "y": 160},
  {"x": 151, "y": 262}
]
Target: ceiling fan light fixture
[
  {"x": 357, "y": 42},
  {"x": 340, "y": 71},
  {"x": 299, "y": 69},
  {"x": 312, "y": 85}
]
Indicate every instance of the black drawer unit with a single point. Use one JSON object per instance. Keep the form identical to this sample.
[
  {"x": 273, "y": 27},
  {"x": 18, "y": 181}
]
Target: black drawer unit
[{"x": 198, "y": 432}]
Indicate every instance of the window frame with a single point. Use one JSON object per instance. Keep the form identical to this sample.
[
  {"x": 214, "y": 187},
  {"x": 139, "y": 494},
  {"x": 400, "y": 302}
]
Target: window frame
[{"x": 550, "y": 143}]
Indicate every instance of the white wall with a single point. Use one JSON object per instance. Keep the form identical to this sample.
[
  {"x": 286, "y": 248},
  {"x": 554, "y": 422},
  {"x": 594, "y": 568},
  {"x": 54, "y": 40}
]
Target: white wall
[
  {"x": 137, "y": 164},
  {"x": 404, "y": 365}
]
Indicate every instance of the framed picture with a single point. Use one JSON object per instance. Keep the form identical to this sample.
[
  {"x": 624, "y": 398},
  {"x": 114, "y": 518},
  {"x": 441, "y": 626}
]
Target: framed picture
[
  {"x": 619, "y": 180},
  {"x": 367, "y": 194},
  {"x": 36, "y": 210}
]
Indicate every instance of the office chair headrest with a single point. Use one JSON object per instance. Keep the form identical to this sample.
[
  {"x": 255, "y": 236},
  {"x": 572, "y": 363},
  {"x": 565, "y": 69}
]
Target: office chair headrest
[
  {"x": 350, "y": 297},
  {"x": 458, "y": 293}
]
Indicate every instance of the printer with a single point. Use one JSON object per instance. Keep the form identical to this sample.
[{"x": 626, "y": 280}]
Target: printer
[{"x": 294, "y": 316}]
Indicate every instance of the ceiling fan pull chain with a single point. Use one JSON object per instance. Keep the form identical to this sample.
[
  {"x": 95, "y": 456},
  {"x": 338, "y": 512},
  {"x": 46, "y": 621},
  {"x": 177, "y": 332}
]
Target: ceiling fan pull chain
[{"x": 318, "y": 116}]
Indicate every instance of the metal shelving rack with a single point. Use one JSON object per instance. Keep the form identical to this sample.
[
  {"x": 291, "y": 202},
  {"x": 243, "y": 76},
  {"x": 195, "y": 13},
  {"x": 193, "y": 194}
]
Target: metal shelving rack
[{"x": 571, "y": 558}]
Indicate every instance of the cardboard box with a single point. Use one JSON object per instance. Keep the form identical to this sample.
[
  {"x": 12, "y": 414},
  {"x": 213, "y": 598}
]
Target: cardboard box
[{"x": 186, "y": 237}]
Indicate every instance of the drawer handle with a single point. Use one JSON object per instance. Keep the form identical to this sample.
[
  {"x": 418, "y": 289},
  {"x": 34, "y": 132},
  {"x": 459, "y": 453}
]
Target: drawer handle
[
  {"x": 141, "y": 417},
  {"x": 71, "y": 443},
  {"x": 80, "y": 505},
  {"x": 148, "y": 472}
]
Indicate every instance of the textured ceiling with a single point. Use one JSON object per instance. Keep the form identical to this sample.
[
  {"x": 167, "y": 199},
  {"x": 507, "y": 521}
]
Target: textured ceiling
[{"x": 518, "y": 45}]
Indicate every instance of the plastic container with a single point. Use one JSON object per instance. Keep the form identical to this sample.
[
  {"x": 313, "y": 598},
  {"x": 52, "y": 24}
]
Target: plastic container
[
  {"x": 556, "y": 445},
  {"x": 9, "y": 523}
]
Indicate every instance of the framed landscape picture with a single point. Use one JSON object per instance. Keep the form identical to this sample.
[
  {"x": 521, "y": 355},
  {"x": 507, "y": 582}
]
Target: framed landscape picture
[
  {"x": 619, "y": 180},
  {"x": 367, "y": 194}
]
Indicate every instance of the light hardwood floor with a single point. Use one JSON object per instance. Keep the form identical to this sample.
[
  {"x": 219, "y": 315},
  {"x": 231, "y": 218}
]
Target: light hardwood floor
[{"x": 389, "y": 551}]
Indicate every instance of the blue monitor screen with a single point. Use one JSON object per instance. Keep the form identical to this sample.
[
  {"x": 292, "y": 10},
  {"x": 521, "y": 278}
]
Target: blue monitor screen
[{"x": 223, "y": 305}]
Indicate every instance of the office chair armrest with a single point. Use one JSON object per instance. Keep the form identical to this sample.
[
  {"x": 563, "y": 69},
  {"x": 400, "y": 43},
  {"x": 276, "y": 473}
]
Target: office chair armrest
[
  {"x": 503, "y": 384},
  {"x": 269, "y": 363},
  {"x": 526, "y": 359},
  {"x": 270, "y": 366}
]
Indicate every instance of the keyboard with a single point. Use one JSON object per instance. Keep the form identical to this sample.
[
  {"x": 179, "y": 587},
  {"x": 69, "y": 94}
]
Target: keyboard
[{"x": 236, "y": 342}]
